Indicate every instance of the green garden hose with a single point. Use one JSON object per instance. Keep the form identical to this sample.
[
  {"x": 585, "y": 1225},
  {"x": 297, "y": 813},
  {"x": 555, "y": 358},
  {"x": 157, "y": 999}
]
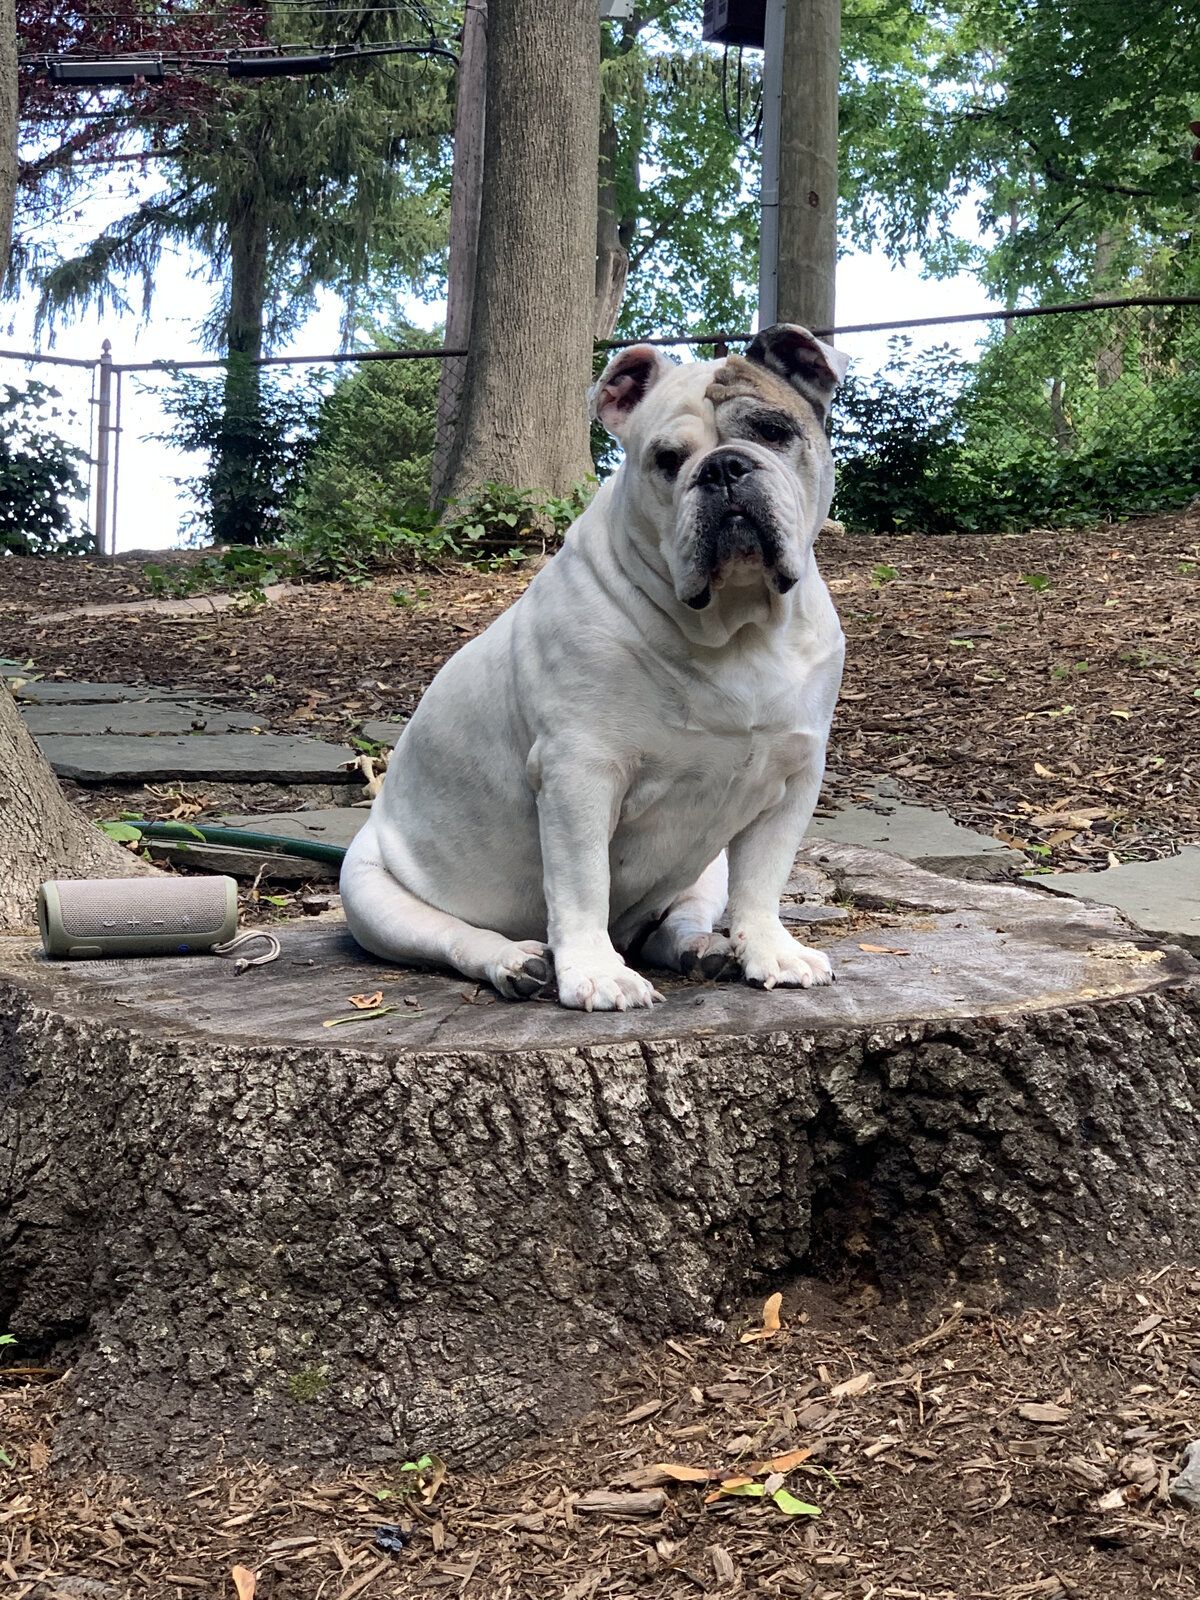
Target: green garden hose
[{"x": 240, "y": 838}]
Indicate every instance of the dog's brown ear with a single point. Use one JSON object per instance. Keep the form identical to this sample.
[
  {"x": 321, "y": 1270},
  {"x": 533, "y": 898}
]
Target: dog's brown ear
[
  {"x": 624, "y": 384},
  {"x": 812, "y": 367}
]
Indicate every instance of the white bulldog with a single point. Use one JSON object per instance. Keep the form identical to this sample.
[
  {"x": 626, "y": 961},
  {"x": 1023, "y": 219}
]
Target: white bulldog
[{"x": 632, "y": 752}]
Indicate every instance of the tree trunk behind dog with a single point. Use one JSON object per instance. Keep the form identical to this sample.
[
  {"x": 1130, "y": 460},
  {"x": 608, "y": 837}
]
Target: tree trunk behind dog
[
  {"x": 523, "y": 419},
  {"x": 40, "y": 835},
  {"x": 466, "y": 197},
  {"x": 808, "y": 163},
  {"x": 8, "y": 125}
]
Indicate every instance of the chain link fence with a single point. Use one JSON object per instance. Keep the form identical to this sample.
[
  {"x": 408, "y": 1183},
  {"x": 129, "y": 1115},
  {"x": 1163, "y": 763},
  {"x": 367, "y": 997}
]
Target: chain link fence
[{"x": 997, "y": 421}]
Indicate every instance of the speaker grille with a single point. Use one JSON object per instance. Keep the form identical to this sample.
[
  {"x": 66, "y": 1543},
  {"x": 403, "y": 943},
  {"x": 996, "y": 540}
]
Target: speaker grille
[{"x": 131, "y": 906}]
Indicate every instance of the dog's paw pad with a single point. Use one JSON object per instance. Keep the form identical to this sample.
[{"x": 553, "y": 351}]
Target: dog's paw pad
[
  {"x": 706, "y": 957},
  {"x": 527, "y": 969}
]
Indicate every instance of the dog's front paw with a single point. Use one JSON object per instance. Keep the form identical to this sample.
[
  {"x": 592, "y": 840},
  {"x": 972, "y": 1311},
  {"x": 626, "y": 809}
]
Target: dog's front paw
[
  {"x": 705, "y": 956},
  {"x": 601, "y": 982},
  {"x": 522, "y": 970},
  {"x": 770, "y": 958}
]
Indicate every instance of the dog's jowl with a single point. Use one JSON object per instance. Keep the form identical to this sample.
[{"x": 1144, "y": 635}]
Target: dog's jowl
[{"x": 629, "y": 757}]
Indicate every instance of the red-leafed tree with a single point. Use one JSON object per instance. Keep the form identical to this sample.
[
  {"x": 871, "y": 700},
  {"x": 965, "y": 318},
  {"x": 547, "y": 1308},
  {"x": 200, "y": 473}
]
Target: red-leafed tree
[{"x": 67, "y": 132}]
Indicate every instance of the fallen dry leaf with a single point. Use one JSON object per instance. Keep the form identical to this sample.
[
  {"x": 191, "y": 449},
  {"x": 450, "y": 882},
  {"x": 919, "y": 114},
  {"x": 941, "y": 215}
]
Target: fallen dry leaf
[
  {"x": 366, "y": 1002},
  {"x": 670, "y": 1473},
  {"x": 783, "y": 1463},
  {"x": 771, "y": 1324},
  {"x": 244, "y": 1582},
  {"x": 883, "y": 950},
  {"x": 850, "y": 1387}
]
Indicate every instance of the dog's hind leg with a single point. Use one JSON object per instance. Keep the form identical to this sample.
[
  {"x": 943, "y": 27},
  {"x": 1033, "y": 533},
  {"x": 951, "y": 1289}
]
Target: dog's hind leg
[
  {"x": 389, "y": 921},
  {"x": 684, "y": 941}
]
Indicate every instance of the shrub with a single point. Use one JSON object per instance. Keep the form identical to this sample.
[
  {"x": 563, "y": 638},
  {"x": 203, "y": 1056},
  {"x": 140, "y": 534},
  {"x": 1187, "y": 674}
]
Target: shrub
[{"x": 40, "y": 477}]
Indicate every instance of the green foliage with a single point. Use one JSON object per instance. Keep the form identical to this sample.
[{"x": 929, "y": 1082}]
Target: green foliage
[
  {"x": 892, "y": 439},
  {"x": 1066, "y": 420},
  {"x": 40, "y": 478},
  {"x": 1063, "y": 121},
  {"x": 257, "y": 433},
  {"x": 374, "y": 437}
]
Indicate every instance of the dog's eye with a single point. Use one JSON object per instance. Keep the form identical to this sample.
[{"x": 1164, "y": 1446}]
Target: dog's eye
[
  {"x": 773, "y": 430},
  {"x": 669, "y": 462}
]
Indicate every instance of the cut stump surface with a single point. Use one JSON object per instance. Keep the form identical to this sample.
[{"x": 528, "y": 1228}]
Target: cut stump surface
[{"x": 253, "y": 1234}]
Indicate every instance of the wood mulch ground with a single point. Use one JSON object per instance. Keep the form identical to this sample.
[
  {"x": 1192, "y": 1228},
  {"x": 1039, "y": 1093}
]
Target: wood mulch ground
[
  {"x": 1043, "y": 687},
  {"x": 953, "y": 1455}
]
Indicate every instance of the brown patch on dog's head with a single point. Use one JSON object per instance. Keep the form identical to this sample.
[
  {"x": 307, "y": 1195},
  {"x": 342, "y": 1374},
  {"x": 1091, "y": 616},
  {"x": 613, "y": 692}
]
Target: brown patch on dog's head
[{"x": 741, "y": 379}]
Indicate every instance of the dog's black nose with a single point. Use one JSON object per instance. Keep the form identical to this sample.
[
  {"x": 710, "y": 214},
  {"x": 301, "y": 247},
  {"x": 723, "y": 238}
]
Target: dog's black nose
[{"x": 722, "y": 469}]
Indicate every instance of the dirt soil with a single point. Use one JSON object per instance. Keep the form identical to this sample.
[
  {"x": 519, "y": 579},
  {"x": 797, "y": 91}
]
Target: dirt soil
[
  {"x": 952, "y": 1454},
  {"x": 1043, "y": 687}
]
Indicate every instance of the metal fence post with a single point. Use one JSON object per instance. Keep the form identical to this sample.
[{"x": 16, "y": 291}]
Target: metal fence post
[{"x": 103, "y": 435}]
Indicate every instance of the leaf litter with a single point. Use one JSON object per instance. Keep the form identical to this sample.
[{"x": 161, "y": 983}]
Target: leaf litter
[
  {"x": 986, "y": 1456},
  {"x": 987, "y": 733}
]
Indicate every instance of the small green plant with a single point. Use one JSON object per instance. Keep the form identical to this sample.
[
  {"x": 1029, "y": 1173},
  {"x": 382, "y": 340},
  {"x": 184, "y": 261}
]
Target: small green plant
[
  {"x": 120, "y": 833},
  {"x": 1037, "y": 581},
  {"x": 882, "y": 574}
]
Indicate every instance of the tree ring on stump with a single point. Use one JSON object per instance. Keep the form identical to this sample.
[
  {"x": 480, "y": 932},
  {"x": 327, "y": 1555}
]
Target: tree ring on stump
[{"x": 252, "y": 1234}]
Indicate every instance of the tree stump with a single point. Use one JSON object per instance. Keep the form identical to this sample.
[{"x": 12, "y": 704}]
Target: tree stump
[{"x": 253, "y": 1234}]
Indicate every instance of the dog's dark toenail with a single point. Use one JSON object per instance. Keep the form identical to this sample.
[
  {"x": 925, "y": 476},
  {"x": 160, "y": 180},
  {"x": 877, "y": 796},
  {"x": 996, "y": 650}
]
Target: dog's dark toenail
[{"x": 536, "y": 968}]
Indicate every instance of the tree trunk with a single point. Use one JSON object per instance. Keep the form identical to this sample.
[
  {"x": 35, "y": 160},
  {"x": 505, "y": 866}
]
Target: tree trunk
[
  {"x": 1064, "y": 434},
  {"x": 8, "y": 126},
  {"x": 808, "y": 163},
  {"x": 1110, "y": 357},
  {"x": 40, "y": 836},
  {"x": 250, "y": 1234},
  {"x": 466, "y": 196},
  {"x": 237, "y": 478},
  {"x": 523, "y": 419},
  {"x": 612, "y": 255}
]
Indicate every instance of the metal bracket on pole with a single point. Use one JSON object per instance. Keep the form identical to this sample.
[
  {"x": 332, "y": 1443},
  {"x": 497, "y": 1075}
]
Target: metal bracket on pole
[
  {"x": 104, "y": 430},
  {"x": 772, "y": 120}
]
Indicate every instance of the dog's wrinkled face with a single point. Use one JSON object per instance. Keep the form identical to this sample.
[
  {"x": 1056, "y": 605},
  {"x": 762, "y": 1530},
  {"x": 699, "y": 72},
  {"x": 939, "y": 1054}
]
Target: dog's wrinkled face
[{"x": 726, "y": 462}]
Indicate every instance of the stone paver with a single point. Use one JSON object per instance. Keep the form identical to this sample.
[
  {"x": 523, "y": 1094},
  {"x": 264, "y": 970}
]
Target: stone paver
[
  {"x": 198, "y": 605},
  {"x": 386, "y": 733},
  {"x": 327, "y": 825},
  {"x": 145, "y": 717},
  {"x": 233, "y": 757},
  {"x": 55, "y": 692},
  {"x": 920, "y": 834},
  {"x": 1162, "y": 897}
]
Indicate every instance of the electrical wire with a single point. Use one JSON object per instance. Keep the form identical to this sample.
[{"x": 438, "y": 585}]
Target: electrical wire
[{"x": 216, "y": 56}]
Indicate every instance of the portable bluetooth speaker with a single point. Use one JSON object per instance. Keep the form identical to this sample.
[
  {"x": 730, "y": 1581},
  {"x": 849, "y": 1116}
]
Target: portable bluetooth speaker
[{"x": 136, "y": 916}]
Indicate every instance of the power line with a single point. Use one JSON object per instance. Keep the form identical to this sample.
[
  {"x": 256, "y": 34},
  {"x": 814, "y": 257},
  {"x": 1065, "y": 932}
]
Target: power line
[{"x": 115, "y": 69}]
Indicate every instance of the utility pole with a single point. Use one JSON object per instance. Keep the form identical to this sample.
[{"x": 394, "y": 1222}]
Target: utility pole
[
  {"x": 104, "y": 430},
  {"x": 772, "y": 127},
  {"x": 808, "y": 164},
  {"x": 801, "y": 45}
]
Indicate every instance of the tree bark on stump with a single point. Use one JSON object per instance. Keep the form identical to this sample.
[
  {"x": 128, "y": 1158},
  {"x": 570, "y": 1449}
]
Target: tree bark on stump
[
  {"x": 253, "y": 1234},
  {"x": 40, "y": 835}
]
